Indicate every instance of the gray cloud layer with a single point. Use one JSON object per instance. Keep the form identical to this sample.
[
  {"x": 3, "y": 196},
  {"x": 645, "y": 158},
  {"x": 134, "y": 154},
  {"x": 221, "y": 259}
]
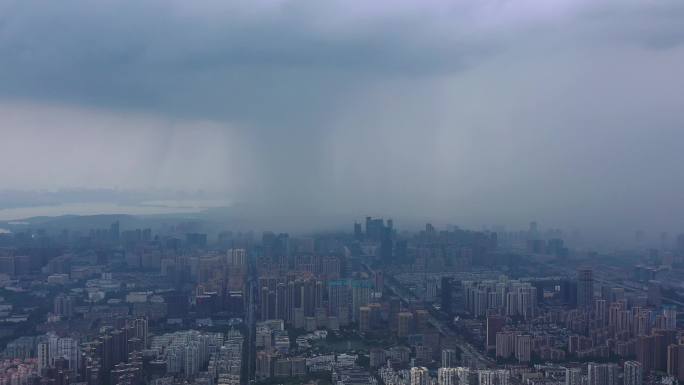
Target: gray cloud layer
[{"x": 569, "y": 111}]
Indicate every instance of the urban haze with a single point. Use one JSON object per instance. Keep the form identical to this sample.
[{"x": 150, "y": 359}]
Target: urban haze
[{"x": 436, "y": 192}]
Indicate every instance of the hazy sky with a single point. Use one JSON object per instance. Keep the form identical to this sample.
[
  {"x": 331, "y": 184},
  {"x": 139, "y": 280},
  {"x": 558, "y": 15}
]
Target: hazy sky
[{"x": 570, "y": 112}]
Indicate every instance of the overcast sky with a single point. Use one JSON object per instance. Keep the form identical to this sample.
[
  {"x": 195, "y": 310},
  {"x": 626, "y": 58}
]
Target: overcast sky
[{"x": 570, "y": 112}]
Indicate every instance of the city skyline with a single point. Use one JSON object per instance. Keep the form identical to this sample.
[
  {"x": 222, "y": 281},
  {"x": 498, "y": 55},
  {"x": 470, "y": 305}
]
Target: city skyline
[
  {"x": 341, "y": 192},
  {"x": 496, "y": 112}
]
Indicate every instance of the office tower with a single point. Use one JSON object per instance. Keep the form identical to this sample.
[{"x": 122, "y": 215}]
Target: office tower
[
  {"x": 43, "y": 351},
  {"x": 505, "y": 344},
  {"x": 264, "y": 303},
  {"x": 309, "y": 300},
  {"x": 494, "y": 377},
  {"x": 114, "y": 231},
  {"x": 655, "y": 297},
  {"x": 675, "y": 361},
  {"x": 376, "y": 229},
  {"x": 523, "y": 348},
  {"x": 573, "y": 376},
  {"x": 364, "y": 318},
  {"x": 22, "y": 264},
  {"x": 602, "y": 374},
  {"x": 645, "y": 352},
  {"x": 447, "y": 376},
  {"x": 292, "y": 300},
  {"x": 663, "y": 339},
  {"x": 420, "y": 376},
  {"x": 449, "y": 358},
  {"x": 601, "y": 311},
  {"x": 585, "y": 287},
  {"x": 633, "y": 373},
  {"x": 494, "y": 325},
  {"x": 568, "y": 292},
  {"x": 140, "y": 329},
  {"x": 318, "y": 295},
  {"x": 447, "y": 295},
  {"x": 405, "y": 319},
  {"x": 379, "y": 278},
  {"x": 281, "y": 302},
  {"x": 67, "y": 348},
  {"x": 533, "y": 231},
  {"x": 456, "y": 376},
  {"x": 420, "y": 318},
  {"x": 358, "y": 232},
  {"x": 670, "y": 314},
  {"x": 264, "y": 364},
  {"x": 377, "y": 357},
  {"x": 338, "y": 296},
  {"x": 7, "y": 265},
  {"x": 617, "y": 294},
  {"x": 641, "y": 323},
  {"x": 191, "y": 359},
  {"x": 431, "y": 289},
  {"x": 63, "y": 306},
  {"x": 361, "y": 295},
  {"x": 237, "y": 257},
  {"x": 394, "y": 308}
]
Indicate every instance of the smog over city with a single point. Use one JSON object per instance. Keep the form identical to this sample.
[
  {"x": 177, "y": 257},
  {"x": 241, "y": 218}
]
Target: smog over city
[{"x": 404, "y": 192}]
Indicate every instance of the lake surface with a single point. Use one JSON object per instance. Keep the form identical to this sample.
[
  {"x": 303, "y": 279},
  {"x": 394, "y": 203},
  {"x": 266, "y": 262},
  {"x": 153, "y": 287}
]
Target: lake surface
[{"x": 144, "y": 208}]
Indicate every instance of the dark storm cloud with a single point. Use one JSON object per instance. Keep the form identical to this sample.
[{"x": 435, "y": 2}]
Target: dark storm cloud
[
  {"x": 466, "y": 111},
  {"x": 291, "y": 59},
  {"x": 234, "y": 65}
]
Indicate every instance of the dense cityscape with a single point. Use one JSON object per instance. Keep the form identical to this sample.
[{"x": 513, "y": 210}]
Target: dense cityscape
[
  {"x": 341, "y": 192},
  {"x": 373, "y": 305}
]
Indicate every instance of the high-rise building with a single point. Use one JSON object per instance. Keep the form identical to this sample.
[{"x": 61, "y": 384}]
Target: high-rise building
[
  {"x": 585, "y": 287},
  {"x": 43, "y": 355},
  {"x": 237, "y": 257},
  {"x": 675, "y": 361},
  {"x": 655, "y": 297},
  {"x": 361, "y": 295},
  {"x": 449, "y": 358},
  {"x": 377, "y": 357},
  {"x": 338, "y": 296},
  {"x": 663, "y": 339},
  {"x": 67, "y": 348},
  {"x": 601, "y": 311},
  {"x": 646, "y": 351},
  {"x": 265, "y": 305},
  {"x": 63, "y": 306},
  {"x": 404, "y": 321},
  {"x": 602, "y": 374},
  {"x": 358, "y": 232},
  {"x": 505, "y": 344},
  {"x": 379, "y": 278},
  {"x": 494, "y": 325},
  {"x": 573, "y": 376},
  {"x": 281, "y": 302},
  {"x": 633, "y": 373},
  {"x": 140, "y": 329},
  {"x": 420, "y": 376},
  {"x": 364, "y": 318},
  {"x": 523, "y": 348},
  {"x": 494, "y": 377},
  {"x": 456, "y": 376},
  {"x": 114, "y": 232},
  {"x": 447, "y": 376},
  {"x": 447, "y": 289},
  {"x": 670, "y": 314}
]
